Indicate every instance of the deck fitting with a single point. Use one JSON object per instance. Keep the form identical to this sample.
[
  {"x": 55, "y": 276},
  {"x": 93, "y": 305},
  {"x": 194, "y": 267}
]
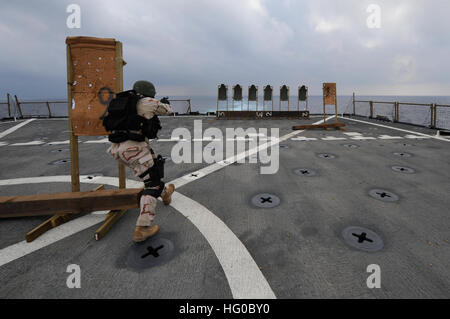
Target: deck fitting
[
  {"x": 60, "y": 161},
  {"x": 60, "y": 150},
  {"x": 362, "y": 238},
  {"x": 350, "y": 145},
  {"x": 265, "y": 200},
  {"x": 383, "y": 195},
  {"x": 326, "y": 156},
  {"x": 403, "y": 169},
  {"x": 402, "y": 154},
  {"x": 154, "y": 251},
  {"x": 304, "y": 172}
]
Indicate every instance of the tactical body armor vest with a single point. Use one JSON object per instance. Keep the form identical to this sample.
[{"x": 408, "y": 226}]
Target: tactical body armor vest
[{"x": 124, "y": 123}]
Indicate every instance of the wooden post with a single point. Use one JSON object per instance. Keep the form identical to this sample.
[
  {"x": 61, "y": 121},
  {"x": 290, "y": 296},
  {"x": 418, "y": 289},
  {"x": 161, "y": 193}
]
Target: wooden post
[
  {"x": 354, "y": 104},
  {"x": 189, "y": 106},
  {"x": 74, "y": 165},
  {"x": 9, "y": 104},
  {"x": 18, "y": 106},
  {"x": 48, "y": 107},
  {"x": 324, "y": 110},
  {"x": 336, "y": 107},
  {"x": 119, "y": 88}
]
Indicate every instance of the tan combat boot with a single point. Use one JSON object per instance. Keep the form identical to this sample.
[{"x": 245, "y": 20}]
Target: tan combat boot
[
  {"x": 167, "y": 194},
  {"x": 141, "y": 233}
]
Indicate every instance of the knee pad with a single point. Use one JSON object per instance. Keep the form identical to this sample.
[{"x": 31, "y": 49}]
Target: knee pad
[{"x": 154, "y": 192}]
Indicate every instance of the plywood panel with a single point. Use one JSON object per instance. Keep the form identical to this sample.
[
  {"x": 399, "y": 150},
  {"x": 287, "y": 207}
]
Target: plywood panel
[
  {"x": 94, "y": 82},
  {"x": 329, "y": 93}
]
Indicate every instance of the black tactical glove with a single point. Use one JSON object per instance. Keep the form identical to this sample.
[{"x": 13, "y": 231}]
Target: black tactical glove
[{"x": 165, "y": 100}]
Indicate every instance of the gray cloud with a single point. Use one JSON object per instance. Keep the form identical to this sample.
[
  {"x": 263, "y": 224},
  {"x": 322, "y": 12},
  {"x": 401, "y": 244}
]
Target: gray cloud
[{"x": 188, "y": 47}]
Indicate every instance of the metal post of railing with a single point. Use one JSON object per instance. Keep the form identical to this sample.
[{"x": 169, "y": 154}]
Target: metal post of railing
[
  {"x": 9, "y": 104},
  {"x": 435, "y": 116},
  {"x": 432, "y": 110},
  {"x": 18, "y": 106},
  {"x": 48, "y": 107},
  {"x": 395, "y": 112},
  {"x": 371, "y": 109},
  {"x": 354, "y": 104}
]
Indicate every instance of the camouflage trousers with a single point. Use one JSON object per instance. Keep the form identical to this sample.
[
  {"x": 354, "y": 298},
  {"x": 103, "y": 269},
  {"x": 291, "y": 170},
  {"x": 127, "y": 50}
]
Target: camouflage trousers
[{"x": 138, "y": 156}]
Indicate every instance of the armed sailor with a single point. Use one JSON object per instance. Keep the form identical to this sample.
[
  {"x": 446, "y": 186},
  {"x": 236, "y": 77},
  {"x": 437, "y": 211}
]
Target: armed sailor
[{"x": 132, "y": 117}]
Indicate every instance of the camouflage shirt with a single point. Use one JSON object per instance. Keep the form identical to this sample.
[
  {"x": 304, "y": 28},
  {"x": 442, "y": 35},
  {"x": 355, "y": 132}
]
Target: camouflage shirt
[{"x": 147, "y": 107}]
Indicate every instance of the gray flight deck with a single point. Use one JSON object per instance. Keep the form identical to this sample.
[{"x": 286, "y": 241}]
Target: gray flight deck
[{"x": 298, "y": 246}]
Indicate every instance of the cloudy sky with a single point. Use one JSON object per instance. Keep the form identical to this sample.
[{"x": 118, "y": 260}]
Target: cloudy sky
[{"x": 188, "y": 47}]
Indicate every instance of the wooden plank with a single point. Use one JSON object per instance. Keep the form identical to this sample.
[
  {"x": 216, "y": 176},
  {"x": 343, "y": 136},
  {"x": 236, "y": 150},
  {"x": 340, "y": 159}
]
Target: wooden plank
[
  {"x": 313, "y": 126},
  {"x": 71, "y": 203},
  {"x": 111, "y": 218}
]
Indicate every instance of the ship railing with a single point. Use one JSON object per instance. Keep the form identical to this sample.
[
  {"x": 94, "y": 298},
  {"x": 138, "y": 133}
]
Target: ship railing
[{"x": 432, "y": 115}]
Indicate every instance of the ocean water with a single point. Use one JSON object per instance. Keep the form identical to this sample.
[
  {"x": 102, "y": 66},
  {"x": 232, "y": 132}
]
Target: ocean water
[{"x": 418, "y": 115}]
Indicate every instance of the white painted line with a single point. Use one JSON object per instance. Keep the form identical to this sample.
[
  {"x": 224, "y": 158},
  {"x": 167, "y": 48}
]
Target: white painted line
[
  {"x": 388, "y": 137},
  {"x": 15, "y": 128},
  {"x": 361, "y": 138},
  {"x": 303, "y": 139},
  {"x": 244, "y": 277},
  {"x": 352, "y": 133},
  {"x": 28, "y": 143},
  {"x": 411, "y": 136},
  {"x": 332, "y": 138},
  {"x": 59, "y": 143},
  {"x": 3, "y": 143},
  {"x": 101, "y": 141},
  {"x": 397, "y": 129}
]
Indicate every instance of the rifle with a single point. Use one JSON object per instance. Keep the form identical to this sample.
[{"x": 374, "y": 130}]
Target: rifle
[{"x": 165, "y": 100}]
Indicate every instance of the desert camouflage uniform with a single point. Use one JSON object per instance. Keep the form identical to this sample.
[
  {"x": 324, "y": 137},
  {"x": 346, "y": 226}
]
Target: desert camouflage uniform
[{"x": 139, "y": 157}]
